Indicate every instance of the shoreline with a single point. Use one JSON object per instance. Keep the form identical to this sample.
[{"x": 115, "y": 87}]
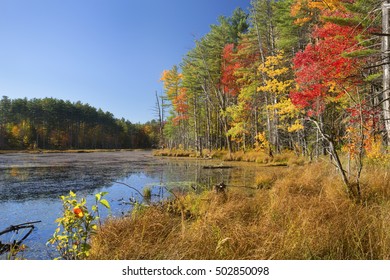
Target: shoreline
[{"x": 69, "y": 151}]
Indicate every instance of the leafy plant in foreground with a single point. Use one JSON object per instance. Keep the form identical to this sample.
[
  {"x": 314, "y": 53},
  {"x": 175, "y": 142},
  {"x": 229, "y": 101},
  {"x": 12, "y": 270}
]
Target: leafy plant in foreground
[{"x": 76, "y": 226}]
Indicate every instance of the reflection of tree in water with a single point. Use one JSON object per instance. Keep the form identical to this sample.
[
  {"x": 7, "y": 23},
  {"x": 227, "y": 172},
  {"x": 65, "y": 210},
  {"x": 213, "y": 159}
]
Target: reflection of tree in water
[{"x": 194, "y": 171}]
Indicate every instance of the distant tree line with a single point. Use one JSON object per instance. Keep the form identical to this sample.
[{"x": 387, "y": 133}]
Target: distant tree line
[{"x": 57, "y": 124}]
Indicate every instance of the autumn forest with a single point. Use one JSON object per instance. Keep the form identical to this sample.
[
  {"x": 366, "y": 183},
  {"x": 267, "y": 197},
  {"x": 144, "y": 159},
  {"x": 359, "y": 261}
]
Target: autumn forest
[
  {"x": 294, "y": 74},
  {"x": 299, "y": 75}
]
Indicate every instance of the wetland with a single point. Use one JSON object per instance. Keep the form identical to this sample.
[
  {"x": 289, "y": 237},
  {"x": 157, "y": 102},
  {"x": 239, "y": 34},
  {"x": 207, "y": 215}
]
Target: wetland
[{"x": 31, "y": 184}]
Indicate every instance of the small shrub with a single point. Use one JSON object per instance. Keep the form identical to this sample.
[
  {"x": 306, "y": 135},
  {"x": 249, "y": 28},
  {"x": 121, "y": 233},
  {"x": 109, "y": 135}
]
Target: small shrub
[
  {"x": 147, "y": 193},
  {"x": 76, "y": 226}
]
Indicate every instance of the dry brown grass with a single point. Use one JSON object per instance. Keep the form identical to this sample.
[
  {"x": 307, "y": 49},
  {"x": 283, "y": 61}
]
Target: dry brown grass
[
  {"x": 174, "y": 153},
  {"x": 302, "y": 214},
  {"x": 284, "y": 158}
]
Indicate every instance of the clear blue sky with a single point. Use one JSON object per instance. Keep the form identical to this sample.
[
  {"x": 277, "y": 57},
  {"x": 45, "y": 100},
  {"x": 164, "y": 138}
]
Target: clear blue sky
[{"x": 107, "y": 53}]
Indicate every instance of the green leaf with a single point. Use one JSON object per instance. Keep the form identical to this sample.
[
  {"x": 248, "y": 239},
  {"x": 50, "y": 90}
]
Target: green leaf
[
  {"x": 105, "y": 203},
  {"x": 98, "y": 196},
  {"x": 72, "y": 194},
  {"x": 360, "y": 53},
  {"x": 373, "y": 77}
]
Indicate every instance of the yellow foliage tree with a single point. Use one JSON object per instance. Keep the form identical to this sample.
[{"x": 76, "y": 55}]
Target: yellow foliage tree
[
  {"x": 171, "y": 80},
  {"x": 278, "y": 84},
  {"x": 307, "y": 10}
]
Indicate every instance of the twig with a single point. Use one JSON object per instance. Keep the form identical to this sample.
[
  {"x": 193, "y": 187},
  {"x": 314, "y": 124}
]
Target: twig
[{"x": 131, "y": 188}]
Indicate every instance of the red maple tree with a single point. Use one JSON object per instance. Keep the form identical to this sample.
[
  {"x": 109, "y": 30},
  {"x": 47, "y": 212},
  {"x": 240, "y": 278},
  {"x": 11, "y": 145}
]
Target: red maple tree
[
  {"x": 322, "y": 71},
  {"x": 229, "y": 67}
]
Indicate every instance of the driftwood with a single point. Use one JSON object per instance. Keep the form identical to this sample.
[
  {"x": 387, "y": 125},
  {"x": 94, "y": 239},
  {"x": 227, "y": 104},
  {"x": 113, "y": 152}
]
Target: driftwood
[
  {"x": 17, "y": 238},
  {"x": 217, "y": 167}
]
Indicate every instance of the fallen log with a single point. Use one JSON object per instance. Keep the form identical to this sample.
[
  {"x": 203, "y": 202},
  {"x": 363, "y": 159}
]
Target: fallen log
[{"x": 217, "y": 167}]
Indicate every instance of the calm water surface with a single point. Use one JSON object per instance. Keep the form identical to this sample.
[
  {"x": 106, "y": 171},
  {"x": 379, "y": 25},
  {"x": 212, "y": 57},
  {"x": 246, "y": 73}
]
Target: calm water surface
[{"x": 30, "y": 184}]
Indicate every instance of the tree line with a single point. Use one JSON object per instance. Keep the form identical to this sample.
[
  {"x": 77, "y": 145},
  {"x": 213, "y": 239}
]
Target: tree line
[
  {"x": 288, "y": 73},
  {"x": 291, "y": 74},
  {"x": 57, "y": 124}
]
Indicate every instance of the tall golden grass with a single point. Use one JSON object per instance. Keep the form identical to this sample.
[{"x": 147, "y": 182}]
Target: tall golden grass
[
  {"x": 175, "y": 153},
  {"x": 302, "y": 213},
  {"x": 258, "y": 156}
]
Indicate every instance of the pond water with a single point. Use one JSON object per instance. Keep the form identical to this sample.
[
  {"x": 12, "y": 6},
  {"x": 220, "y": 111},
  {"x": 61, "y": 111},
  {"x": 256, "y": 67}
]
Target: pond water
[{"x": 31, "y": 184}]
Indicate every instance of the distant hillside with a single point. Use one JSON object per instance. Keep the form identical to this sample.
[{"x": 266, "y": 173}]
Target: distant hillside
[{"x": 56, "y": 124}]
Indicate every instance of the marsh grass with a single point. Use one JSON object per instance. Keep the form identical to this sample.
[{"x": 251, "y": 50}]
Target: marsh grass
[
  {"x": 174, "y": 153},
  {"x": 147, "y": 193},
  {"x": 286, "y": 158},
  {"x": 300, "y": 213}
]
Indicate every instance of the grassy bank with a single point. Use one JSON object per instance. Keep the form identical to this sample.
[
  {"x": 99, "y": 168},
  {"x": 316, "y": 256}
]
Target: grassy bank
[
  {"x": 261, "y": 157},
  {"x": 300, "y": 213}
]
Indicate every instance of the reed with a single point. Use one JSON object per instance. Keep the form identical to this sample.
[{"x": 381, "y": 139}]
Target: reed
[{"x": 258, "y": 156}]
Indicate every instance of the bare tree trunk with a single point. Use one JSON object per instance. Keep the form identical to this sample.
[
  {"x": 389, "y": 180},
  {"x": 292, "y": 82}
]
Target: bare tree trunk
[
  {"x": 196, "y": 135},
  {"x": 160, "y": 120},
  {"x": 275, "y": 127},
  {"x": 333, "y": 153},
  {"x": 269, "y": 126},
  {"x": 386, "y": 68},
  {"x": 208, "y": 127}
]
